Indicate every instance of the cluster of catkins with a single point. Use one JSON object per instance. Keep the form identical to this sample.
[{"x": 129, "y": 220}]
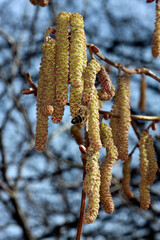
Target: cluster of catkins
[
  {"x": 41, "y": 3},
  {"x": 63, "y": 67}
]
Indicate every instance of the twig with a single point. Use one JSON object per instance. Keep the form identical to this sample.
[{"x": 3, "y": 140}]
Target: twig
[
  {"x": 33, "y": 89},
  {"x": 137, "y": 145},
  {"x": 136, "y": 117},
  {"x": 19, "y": 217},
  {"x": 83, "y": 204},
  {"x": 135, "y": 129},
  {"x": 84, "y": 195},
  {"x": 127, "y": 70}
]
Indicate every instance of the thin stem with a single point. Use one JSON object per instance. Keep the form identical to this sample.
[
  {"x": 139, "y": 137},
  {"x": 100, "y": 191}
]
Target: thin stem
[
  {"x": 137, "y": 145},
  {"x": 135, "y": 129},
  {"x": 136, "y": 117},
  {"x": 47, "y": 34},
  {"x": 84, "y": 195},
  {"x": 83, "y": 204},
  {"x": 127, "y": 70}
]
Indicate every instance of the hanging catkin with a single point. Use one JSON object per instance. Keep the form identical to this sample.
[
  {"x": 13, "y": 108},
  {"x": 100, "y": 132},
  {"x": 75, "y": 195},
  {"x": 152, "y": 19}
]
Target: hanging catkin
[
  {"x": 106, "y": 168},
  {"x": 75, "y": 99},
  {"x": 152, "y": 161},
  {"x": 45, "y": 93},
  {"x": 78, "y": 61},
  {"x": 48, "y": 50},
  {"x": 103, "y": 96},
  {"x": 126, "y": 179},
  {"x": 58, "y": 112},
  {"x": 89, "y": 77},
  {"x": 143, "y": 186},
  {"x": 62, "y": 55},
  {"x": 91, "y": 185},
  {"x": 121, "y": 107},
  {"x": 93, "y": 123},
  {"x": 156, "y": 35},
  {"x": 105, "y": 82}
]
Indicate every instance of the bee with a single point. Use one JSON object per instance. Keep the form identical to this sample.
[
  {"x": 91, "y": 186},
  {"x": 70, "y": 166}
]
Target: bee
[{"x": 81, "y": 116}]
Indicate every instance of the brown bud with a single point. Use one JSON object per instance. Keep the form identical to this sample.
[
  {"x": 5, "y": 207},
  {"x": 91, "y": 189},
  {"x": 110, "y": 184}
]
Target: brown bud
[
  {"x": 43, "y": 3},
  {"x": 154, "y": 126},
  {"x": 82, "y": 148},
  {"x": 106, "y": 116},
  {"x": 149, "y": 1},
  {"x": 28, "y": 91},
  {"x": 94, "y": 49}
]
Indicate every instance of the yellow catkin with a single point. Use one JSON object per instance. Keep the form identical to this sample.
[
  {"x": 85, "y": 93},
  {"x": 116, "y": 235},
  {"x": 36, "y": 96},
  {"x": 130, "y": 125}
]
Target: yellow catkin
[
  {"x": 78, "y": 61},
  {"x": 41, "y": 131},
  {"x": 156, "y": 35},
  {"x": 89, "y": 77},
  {"x": 142, "y": 100},
  {"x": 48, "y": 70},
  {"x": 152, "y": 161},
  {"x": 76, "y": 133},
  {"x": 143, "y": 186},
  {"x": 75, "y": 99},
  {"x": 126, "y": 179},
  {"x": 77, "y": 50},
  {"x": 93, "y": 206},
  {"x": 103, "y": 96},
  {"x": 62, "y": 55},
  {"x": 93, "y": 123},
  {"x": 121, "y": 107},
  {"x": 92, "y": 170},
  {"x": 91, "y": 185},
  {"x": 106, "y": 168},
  {"x": 45, "y": 93},
  {"x": 58, "y": 113},
  {"x": 105, "y": 82}
]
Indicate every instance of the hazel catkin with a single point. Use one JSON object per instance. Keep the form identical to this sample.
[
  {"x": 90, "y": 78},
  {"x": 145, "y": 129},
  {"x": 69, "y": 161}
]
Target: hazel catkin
[
  {"x": 143, "y": 186},
  {"x": 121, "y": 108},
  {"x": 91, "y": 185},
  {"x": 62, "y": 54},
  {"x": 156, "y": 35},
  {"x": 106, "y": 168},
  {"x": 48, "y": 65},
  {"x": 89, "y": 77},
  {"x": 93, "y": 123},
  {"x": 78, "y": 61},
  {"x": 45, "y": 93},
  {"x": 105, "y": 82},
  {"x": 58, "y": 113},
  {"x": 126, "y": 179},
  {"x": 152, "y": 161}
]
